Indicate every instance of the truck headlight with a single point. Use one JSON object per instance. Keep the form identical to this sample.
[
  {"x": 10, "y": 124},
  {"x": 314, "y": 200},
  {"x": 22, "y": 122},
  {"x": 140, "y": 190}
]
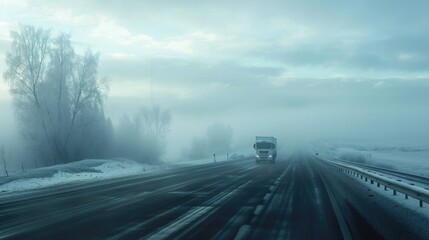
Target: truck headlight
[
  {"x": 270, "y": 156},
  {"x": 257, "y": 155}
]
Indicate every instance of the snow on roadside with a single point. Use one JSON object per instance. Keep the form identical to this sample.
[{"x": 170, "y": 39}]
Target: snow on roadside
[
  {"x": 407, "y": 209},
  {"x": 405, "y": 157},
  {"x": 85, "y": 170},
  {"x": 233, "y": 155},
  {"x": 96, "y": 169}
]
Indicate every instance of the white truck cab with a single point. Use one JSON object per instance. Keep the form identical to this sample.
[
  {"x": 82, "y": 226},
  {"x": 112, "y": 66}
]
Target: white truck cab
[{"x": 266, "y": 148}]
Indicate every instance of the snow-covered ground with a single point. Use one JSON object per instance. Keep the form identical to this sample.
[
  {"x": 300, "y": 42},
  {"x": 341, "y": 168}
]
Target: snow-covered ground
[
  {"x": 85, "y": 170},
  {"x": 96, "y": 169},
  {"x": 404, "y": 157},
  {"x": 233, "y": 155}
]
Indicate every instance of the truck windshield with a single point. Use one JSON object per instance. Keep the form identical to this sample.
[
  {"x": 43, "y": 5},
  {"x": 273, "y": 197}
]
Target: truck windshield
[{"x": 263, "y": 145}]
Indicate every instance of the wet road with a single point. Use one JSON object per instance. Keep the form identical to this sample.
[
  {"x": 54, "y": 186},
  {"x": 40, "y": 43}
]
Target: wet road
[{"x": 230, "y": 200}]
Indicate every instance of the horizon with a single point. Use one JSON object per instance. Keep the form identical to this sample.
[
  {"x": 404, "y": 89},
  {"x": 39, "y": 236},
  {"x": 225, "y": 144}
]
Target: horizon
[{"x": 300, "y": 71}]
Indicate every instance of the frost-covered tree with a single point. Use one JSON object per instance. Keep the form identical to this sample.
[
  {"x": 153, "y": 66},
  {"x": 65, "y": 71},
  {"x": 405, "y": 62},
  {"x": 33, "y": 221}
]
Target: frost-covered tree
[
  {"x": 57, "y": 95},
  {"x": 143, "y": 138},
  {"x": 153, "y": 125},
  {"x": 153, "y": 121},
  {"x": 87, "y": 120},
  {"x": 27, "y": 62},
  {"x": 217, "y": 140}
]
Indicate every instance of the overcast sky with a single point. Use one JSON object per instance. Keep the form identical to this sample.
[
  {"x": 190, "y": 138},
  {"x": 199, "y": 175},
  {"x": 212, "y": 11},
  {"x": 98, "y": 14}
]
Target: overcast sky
[{"x": 311, "y": 69}]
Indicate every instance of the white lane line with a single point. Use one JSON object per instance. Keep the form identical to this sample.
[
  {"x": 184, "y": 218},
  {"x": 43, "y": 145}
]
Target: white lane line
[
  {"x": 285, "y": 230},
  {"x": 130, "y": 228},
  {"x": 267, "y": 196},
  {"x": 273, "y": 189},
  {"x": 195, "y": 213},
  {"x": 180, "y": 223},
  {"x": 340, "y": 218},
  {"x": 258, "y": 210},
  {"x": 243, "y": 232}
]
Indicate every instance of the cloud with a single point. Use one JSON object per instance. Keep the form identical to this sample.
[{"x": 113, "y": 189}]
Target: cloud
[
  {"x": 341, "y": 36},
  {"x": 5, "y": 28},
  {"x": 399, "y": 53},
  {"x": 316, "y": 68},
  {"x": 14, "y": 3},
  {"x": 183, "y": 70},
  {"x": 67, "y": 16},
  {"x": 109, "y": 29},
  {"x": 379, "y": 84}
]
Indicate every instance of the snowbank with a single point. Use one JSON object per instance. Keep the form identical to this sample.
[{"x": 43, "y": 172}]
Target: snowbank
[
  {"x": 96, "y": 169},
  {"x": 85, "y": 170},
  {"x": 405, "y": 157}
]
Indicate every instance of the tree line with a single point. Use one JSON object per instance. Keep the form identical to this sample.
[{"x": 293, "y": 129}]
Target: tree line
[
  {"x": 58, "y": 98},
  {"x": 217, "y": 140}
]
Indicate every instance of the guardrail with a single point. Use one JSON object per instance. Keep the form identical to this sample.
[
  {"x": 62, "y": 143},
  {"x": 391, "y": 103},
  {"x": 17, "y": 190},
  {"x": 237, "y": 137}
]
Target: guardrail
[
  {"x": 412, "y": 177},
  {"x": 418, "y": 193}
]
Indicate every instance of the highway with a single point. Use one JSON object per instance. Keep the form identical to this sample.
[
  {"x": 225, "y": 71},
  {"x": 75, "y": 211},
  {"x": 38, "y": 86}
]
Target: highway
[{"x": 297, "y": 197}]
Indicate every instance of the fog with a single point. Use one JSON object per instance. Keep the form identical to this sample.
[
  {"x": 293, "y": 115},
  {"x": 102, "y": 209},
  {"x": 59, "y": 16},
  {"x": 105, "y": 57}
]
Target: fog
[
  {"x": 301, "y": 72},
  {"x": 304, "y": 111}
]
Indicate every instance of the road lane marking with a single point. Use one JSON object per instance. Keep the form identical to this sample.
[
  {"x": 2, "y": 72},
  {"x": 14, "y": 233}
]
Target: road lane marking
[
  {"x": 340, "y": 218},
  {"x": 195, "y": 213},
  {"x": 243, "y": 232},
  {"x": 180, "y": 223},
  {"x": 258, "y": 210}
]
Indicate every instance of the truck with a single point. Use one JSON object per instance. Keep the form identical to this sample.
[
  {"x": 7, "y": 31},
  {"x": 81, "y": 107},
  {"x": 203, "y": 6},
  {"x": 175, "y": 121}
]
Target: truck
[{"x": 265, "y": 148}]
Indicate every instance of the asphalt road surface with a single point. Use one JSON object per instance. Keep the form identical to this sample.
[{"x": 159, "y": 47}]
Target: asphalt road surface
[{"x": 290, "y": 199}]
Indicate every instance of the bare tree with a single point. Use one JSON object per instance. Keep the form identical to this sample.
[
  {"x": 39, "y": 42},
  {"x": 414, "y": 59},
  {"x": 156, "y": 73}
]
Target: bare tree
[
  {"x": 86, "y": 89},
  {"x": 217, "y": 140},
  {"x": 153, "y": 125},
  {"x": 27, "y": 62},
  {"x": 153, "y": 121},
  {"x": 87, "y": 92},
  {"x": 56, "y": 93},
  {"x": 57, "y": 99}
]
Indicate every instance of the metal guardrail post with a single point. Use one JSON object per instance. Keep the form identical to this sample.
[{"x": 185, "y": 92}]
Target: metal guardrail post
[{"x": 421, "y": 194}]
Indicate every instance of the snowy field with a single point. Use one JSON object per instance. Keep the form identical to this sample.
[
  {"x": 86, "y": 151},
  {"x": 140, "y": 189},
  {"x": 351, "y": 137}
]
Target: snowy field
[
  {"x": 404, "y": 157},
  {"x": 96, "y": 169}
]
